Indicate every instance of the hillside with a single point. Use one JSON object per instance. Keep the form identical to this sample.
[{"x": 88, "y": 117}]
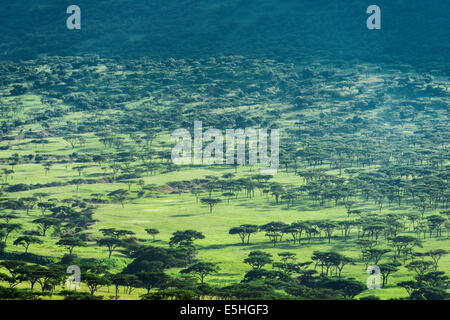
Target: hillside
[
  {"x": 87, "y": 171},
  {"x": 411, "y": 31}
]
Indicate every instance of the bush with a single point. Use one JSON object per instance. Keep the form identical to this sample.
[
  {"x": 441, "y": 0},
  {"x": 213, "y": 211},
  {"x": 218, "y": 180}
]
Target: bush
[
  {"x": 69, "y": 259},
  {"x": 74, "y": 295}
]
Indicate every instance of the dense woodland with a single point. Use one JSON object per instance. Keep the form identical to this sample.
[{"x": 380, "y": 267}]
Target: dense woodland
[{"x": 87, "y": 179}]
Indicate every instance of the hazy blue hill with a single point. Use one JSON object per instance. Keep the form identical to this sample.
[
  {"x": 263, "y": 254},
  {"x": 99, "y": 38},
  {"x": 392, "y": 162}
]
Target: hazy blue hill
[{"x": 209, "y": 27}]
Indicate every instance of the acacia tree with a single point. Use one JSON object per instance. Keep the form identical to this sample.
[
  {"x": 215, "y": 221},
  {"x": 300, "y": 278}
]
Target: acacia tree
[
  {"x": 9, "y": 216},
  {"x": 329, "y": 260},
  {"x": 111, "y": 243},
  {"x": 436, "y": 255},
  {"x": 6, "y": 174},
  {"x": 258, "y": 259},
  {"x": 72, "y": 140},
  {"x": 152, "y": 279},
  {"x": 211, "y": 202},
  {"x": 340, "y": 261},
  {"x": 120, "y": 196},
  {"x": 70, "y": 243},
  {"x": 29, "y": 203},
  {"x": 244, "y": 231},
  {"x": 374, "y": 255},
  {"x": 435, "y": 222},
  {"x": 185, "y": 240},
  {"x": 201, "y": 269},
  {"x": 94, "y": 281},
  {"x": 153, "y": 232},
  {"x": 121, "y": 279},
  {"x": 350, "y": 288},
  {"x": 402, "y": 244},
  {"x": 46, "y": 223},
  {"x": 275, "y": 230},
  {"x": 80, "y": 169},
  {"x": 116, "y": 233},
  {"x": 346, "y": 227},
  {"x": 32, "y": 274},
  {"x": 276, "y": 190},
  {"x": 328, "y": 227},
  {"x": 386, "y": 269},
  {"x": 15, "y": 270},
  {"x": 44, "y": 206},
  {"x": 419, "y": 266},
  {"x": 26, "y": 241},
  {"x": 8, "y": 228}
]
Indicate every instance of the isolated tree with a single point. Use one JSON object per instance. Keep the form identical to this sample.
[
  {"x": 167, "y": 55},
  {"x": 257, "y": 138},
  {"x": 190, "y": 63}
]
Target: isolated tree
[
  {"x": 187, "y": 236},
  {"x": 29, "y": 203},
  {"x": 111, "y": 243},
  {"x": 72, "y": 140},
  {"x": 26, "y": 241},
  {"x": 80, "y": 169},
  {"x": 287, "y": 256},
  {"x": 210, "y": 202},
  {"x": 70, "y": 243},
  {"x": 47, "y": 167},
  {"x": 153, "y": 232},
  {"x": 6, "y": 174},
  {"x": 41, "y": 195},
  {"x": 120, "y": 196},
  {"x": 78, "y": 182},
  {"x": 196, "y": 191}
]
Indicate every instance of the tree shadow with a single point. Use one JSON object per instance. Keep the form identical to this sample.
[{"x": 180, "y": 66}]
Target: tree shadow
[
  {"x": 27, "y": 257},
  {"x": 222, "y": 246},
  {"x": 182, "y": 215}
]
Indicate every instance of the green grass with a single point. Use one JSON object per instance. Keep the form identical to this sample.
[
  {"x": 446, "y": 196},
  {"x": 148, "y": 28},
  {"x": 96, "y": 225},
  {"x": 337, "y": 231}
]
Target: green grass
[{"x": 171, "y": 212}]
